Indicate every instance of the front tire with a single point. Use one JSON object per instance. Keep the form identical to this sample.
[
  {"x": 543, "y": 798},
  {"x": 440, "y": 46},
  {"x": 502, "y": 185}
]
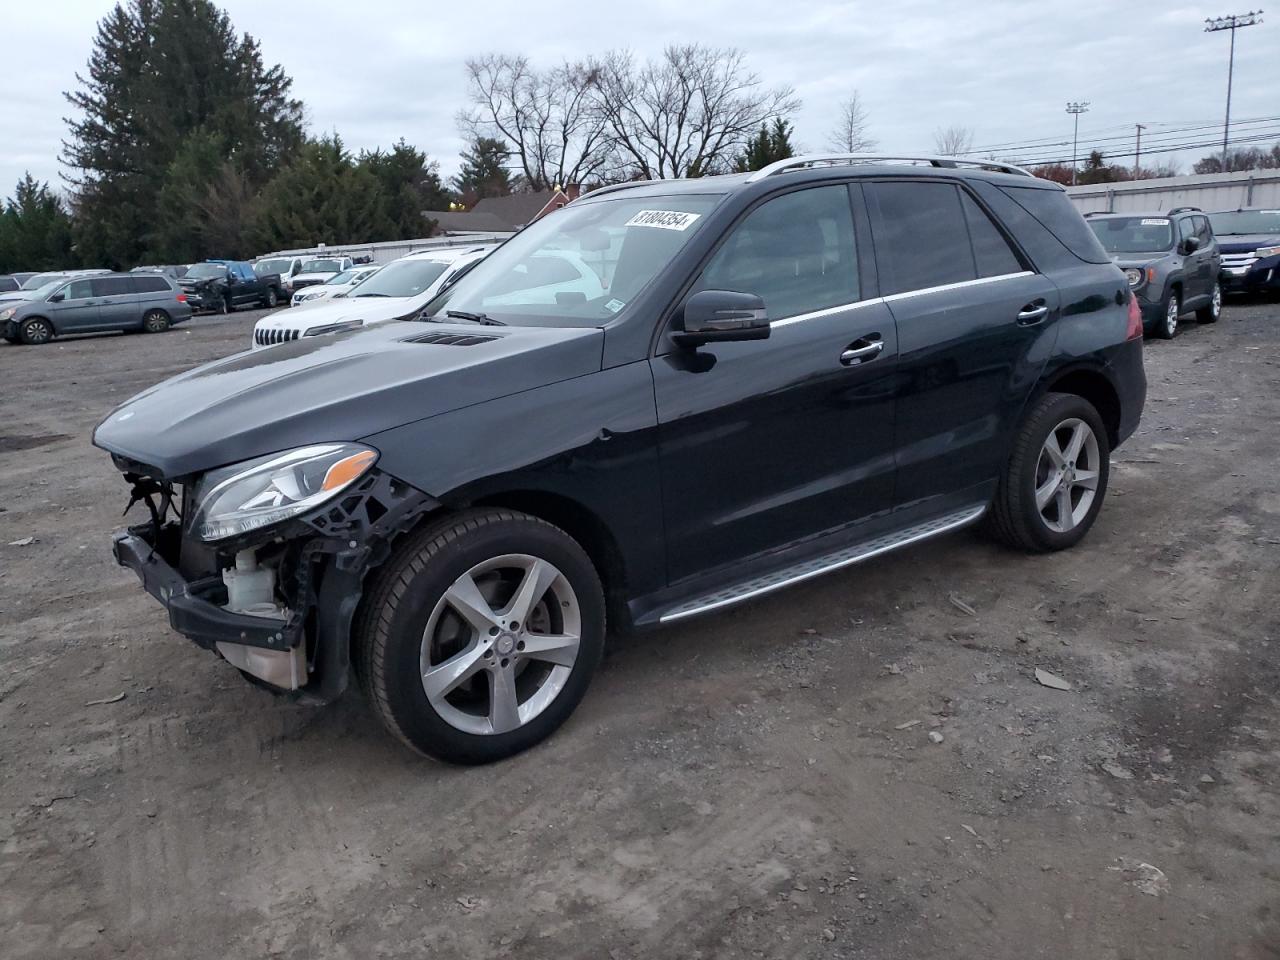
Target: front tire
[
  {"x": 480, "y": 636},
  {"x": 35, "y": 331},
  {"x": 1056, "y": 478},
  {"x": 1167, "y": 326},
  {"x": 1211, "y": 313}
]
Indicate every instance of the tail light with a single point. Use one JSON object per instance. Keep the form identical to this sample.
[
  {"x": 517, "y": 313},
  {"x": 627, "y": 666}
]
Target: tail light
[
  {"x": 1135, "y": 320},
  {"x": 182, "y": 298}
]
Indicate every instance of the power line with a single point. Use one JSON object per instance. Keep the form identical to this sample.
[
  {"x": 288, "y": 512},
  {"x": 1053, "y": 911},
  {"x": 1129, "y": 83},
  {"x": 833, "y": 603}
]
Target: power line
[
  {"x": 1169, "y": 128},
  {"x": 1047, "y": 160}
]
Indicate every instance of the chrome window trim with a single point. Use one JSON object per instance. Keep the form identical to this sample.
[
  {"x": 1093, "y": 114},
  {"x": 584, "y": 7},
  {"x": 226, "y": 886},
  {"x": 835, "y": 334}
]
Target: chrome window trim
[{"x": 893, "y": 297}]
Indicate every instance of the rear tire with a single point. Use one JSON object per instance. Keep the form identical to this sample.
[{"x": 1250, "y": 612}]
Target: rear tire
[
  {"x": 155, "y": 321},
  {"x": 1166, "y": 328},
  {"x": 416, "y": 632},
  {"x": 1211, "y": 313},
  {"x": 224, "y": 304},
  {"x": 271, "y": 299},
  {"x": 35, "y": 331},
  {"x": 1056, "y": 478}
]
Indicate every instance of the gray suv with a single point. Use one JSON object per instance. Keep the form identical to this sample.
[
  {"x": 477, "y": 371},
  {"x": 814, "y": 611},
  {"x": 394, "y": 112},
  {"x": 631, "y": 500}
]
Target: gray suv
[
  {"x": 1171, "y": 260},
  {"x": 117, "y": 301}
]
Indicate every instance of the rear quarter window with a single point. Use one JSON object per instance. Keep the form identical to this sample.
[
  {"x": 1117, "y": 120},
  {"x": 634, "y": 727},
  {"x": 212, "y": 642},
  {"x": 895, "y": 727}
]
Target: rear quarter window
[
  {"x": 150, "y": 285},
  {"x": 1055, "y": 213}
]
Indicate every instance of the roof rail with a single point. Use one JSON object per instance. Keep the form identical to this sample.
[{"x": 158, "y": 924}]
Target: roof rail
[
  {"x": 611, "y": 188},
  {"x": 811, "y": 159},
  {"x": 1183, "y": 210}
]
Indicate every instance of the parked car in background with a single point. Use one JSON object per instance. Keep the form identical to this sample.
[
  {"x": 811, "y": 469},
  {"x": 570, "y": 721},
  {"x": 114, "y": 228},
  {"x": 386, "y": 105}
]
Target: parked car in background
[
  {"x": 1250, "y": 243},
  {"x": 112, "y": 301},
  {"x": 398, "y": 290},
  {"x": 9, "y": 283},
  {"x": 40, "y": 281},
  {"x": 222, "y": 285},
  {"x": 339, "y": 285},
  {"x": 791, "y": 371},
  {"x": 175, "y": 271},
  {"x": 317, "y": 270},
  {"x": 286, "y": 267},
  {"x": 1171, "y": 261},
  {"x": 23, "y": 277}
]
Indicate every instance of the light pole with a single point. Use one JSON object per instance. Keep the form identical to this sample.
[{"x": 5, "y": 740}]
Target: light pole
[
  {"x": 1076, "y": 109},
  {"x": 1232, "y": 22},
  {"x": 1137, "y": 152}
]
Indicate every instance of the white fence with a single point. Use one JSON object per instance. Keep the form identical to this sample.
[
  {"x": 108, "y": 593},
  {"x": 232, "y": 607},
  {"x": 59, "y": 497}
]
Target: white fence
[
  {"x": 1208, "y": 191},
  {"x": 387, "y": 251}
]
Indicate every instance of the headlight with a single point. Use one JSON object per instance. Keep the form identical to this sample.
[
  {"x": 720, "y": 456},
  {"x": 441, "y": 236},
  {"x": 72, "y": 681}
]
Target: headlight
[
  {"x": 257, "y": 493},
  {"x": 334, "y": 328},
  {"x": 1133, "y": 275},
  {"x": 1266, "y": 251},
  {"x": 8, "y": 312}
]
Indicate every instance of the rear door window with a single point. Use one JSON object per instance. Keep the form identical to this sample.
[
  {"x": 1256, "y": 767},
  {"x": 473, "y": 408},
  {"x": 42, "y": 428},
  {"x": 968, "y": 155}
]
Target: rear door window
[
  {"x": 921, "y": 237},
  {"x": 110, "y": 286},
  {"x": 991, "y": 251}
]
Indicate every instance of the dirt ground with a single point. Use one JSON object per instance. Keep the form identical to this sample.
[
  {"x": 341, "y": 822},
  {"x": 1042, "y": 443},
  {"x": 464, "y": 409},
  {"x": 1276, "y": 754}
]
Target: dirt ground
[{"x": 858, "y": 767}]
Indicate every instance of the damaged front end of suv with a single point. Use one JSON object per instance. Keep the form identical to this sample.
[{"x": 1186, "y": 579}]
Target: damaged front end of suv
[{"x": 263, "y": 561}]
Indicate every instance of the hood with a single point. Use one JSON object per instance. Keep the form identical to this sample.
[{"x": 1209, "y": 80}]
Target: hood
[
  {"x": 11, "y": 296},
  {"x": 369, "y": 309},
  {"x": 191, "y": 282},
  {"x": 335, "y": 388},
  {"x": 1247, "y": 242},
  {"x": 1123, "y": 260}
]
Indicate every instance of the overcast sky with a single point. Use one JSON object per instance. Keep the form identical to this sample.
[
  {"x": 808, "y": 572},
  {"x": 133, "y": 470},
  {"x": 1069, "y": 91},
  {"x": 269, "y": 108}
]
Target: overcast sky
[{"x": 378, "y": 71}]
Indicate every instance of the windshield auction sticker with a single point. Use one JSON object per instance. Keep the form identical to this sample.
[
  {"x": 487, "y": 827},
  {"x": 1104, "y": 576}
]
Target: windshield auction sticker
[
  {"x": 663, "y": 219},
  {"x": 1155, "y": 222}
]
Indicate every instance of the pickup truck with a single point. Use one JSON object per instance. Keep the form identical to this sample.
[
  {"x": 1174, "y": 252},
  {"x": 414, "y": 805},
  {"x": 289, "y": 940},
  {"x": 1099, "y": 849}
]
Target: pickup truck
[{"x": 222, "y": 285}]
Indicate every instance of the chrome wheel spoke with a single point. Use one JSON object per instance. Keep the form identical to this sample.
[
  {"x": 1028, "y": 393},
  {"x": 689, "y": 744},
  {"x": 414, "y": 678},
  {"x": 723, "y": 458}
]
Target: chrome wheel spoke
[
  {"x": 465, "y": 598},
  {"x": 1054, "y": 451},
  {"x": 504, "y": 707},
  {"x": 537, "y": 580},
  {"x": 1087, "y": 479},
  {"x": 1065, "y": 521},
  {"x": 557, "y": 648},
  {"x": 439, "y": 681},
  {"x": 1078, "y": 436},
  {"x": 1044, "y": 494}
]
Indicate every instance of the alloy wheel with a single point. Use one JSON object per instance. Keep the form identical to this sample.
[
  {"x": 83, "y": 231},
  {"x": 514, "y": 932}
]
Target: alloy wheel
[
  {"x": 36, "y": 331},
  {"x": 500, "y": 644},
  {"x": 1171, "y": 317},
  {"x": 1067, "y": 475},
  {"x": 1216, "y": 304}
]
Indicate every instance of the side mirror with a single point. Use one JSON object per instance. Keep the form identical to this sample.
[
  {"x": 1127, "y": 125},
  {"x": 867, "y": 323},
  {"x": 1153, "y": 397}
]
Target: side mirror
[
  {"x": 57, "y": 297},
  {"x": 1191, "y": 245},
  {"x": 719, "y": 316}
]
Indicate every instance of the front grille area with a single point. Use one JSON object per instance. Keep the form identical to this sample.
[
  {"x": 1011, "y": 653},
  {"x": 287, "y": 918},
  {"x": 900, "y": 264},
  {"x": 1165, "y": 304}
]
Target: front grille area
[
  {"x": 267, "y": 338},
  {"x": 1237, "y": 260},
  {"x": 299, "y": 284}
]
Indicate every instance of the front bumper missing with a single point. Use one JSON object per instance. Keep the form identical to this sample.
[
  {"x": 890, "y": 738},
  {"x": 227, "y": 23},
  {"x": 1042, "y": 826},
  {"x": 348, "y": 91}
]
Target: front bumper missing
[{"x": 308, "y": 654}]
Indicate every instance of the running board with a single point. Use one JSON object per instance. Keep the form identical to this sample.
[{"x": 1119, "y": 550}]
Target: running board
[{"x": 817, "y": 566}]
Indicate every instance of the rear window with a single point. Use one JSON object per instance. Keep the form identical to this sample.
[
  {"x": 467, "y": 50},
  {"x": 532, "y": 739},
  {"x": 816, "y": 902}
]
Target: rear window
[
  {"x": 1059, "y": 217},
  {"x": 150, "y": 285}
]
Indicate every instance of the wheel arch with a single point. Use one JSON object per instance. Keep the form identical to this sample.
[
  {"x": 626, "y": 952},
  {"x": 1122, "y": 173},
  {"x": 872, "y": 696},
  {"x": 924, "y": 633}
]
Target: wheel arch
[
  {"x": 47, "y": 318},
  {"x": 1092, "y": 385}
]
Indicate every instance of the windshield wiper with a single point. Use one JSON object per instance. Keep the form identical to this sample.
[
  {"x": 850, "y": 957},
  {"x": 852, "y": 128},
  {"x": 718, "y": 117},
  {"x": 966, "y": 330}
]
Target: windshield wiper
[
  {"x": 373, "y": 294},
  {"x": 481, "y": 318}
]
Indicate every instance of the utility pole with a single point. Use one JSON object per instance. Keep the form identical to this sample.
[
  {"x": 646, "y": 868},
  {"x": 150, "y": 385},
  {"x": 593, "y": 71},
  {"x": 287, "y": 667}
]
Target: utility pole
[
  {"x": 1137, "y": 152},
  {"x": 1232, "y": 22},
  {"x": 1076, "y": 109}
]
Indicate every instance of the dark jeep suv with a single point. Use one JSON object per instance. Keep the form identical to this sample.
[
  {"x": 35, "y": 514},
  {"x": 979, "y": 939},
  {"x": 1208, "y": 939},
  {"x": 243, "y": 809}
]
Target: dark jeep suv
[
  {"x": 1171, "y": 261},
  {"x": 779, "y": 374}
]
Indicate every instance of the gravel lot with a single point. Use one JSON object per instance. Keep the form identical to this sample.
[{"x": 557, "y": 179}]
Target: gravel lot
[{"x": 859, "y": 767}]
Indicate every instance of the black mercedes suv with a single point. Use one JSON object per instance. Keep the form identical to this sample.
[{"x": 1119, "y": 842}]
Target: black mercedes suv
[{"x": 769, "y": 376}]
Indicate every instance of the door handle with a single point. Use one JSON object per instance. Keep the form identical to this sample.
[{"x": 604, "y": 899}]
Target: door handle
[
  {"x": 1033, "y": 313},
  {"x": 860, "y": 351}
]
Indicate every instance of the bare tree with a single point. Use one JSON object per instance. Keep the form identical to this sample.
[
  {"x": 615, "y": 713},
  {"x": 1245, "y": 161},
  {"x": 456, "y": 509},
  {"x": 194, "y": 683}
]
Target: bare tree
[
  {"x": 953, "y": 141},
  {"x": 850, "y": 132},
  {"x": 549, "y": 117},
  {"x": 686, "y": 114}
]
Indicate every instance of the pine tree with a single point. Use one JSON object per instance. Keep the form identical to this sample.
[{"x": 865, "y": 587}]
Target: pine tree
[
  {"x": 772, "y": 143},
  {"x": 35, "y": 229},
  {"x": 321, "y": 197},
  {"x": 162, "y": 72},
  {"x": 483, "y": 173},
  {"x": 410, "y": 184}
]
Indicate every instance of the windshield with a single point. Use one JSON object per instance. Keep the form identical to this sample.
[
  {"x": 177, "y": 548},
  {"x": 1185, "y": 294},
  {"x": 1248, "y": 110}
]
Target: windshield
[
  {"x": 46, "y": 288},
  {"x": 403, "y": 278},
  {"x": 207, "y": 271},
  {"x": 42, "y": 280},
  {"x": 1133, "y": 234},
  {"x": 1246, "y": 221},
  {"x": 339, "y": 279},
  {"x": 321, "y": 266},
  {"x": 277, "y": 265},
  {"x": 582, "y": 265}
]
